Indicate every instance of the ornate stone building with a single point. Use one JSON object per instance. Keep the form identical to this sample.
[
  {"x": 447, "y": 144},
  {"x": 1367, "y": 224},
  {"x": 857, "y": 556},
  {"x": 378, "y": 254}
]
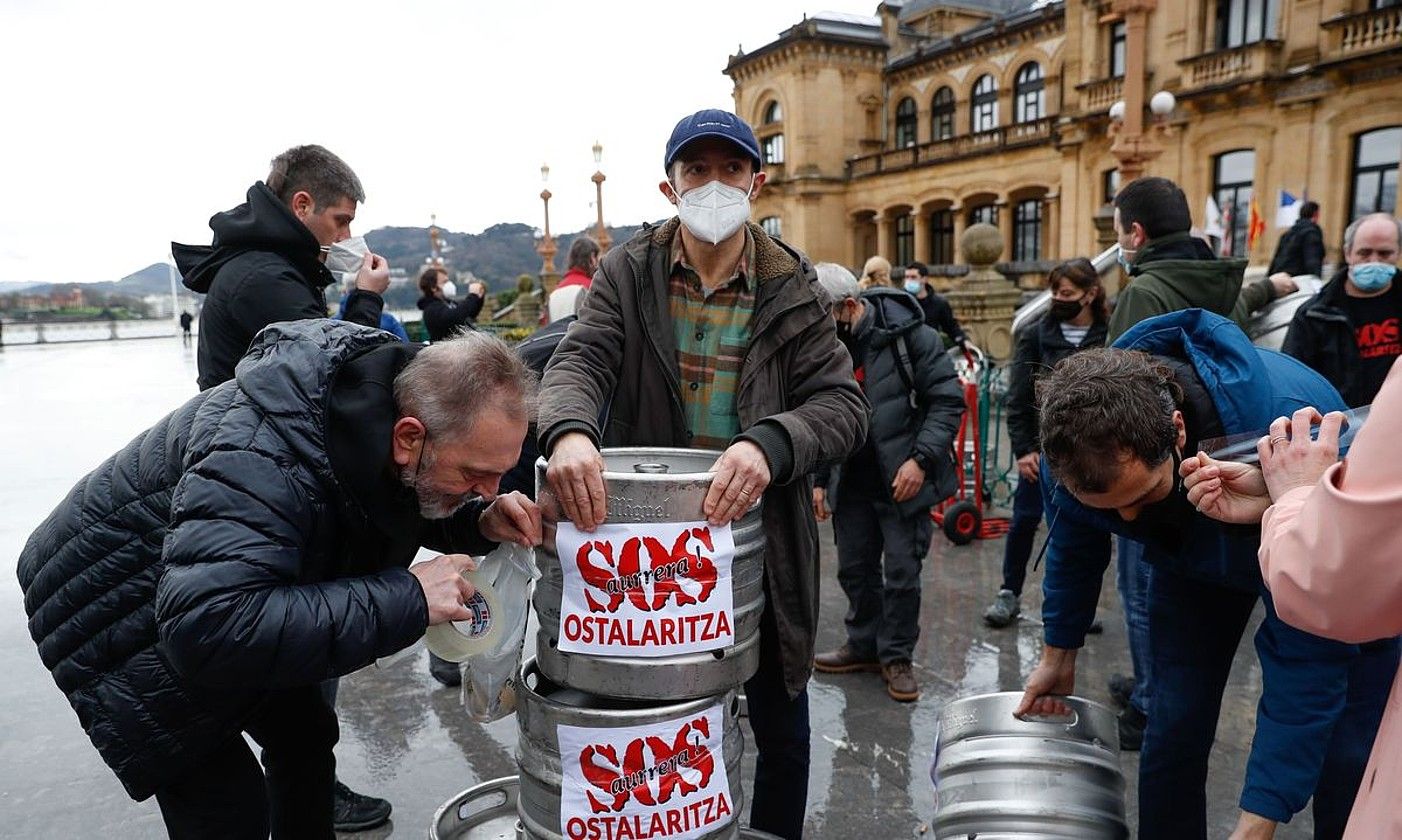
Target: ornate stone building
[{"x": 891, "y": 134}]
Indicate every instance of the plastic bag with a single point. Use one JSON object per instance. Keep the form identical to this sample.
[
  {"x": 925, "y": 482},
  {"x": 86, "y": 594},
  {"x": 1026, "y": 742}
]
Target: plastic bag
[{"x": 489, "y": 678}]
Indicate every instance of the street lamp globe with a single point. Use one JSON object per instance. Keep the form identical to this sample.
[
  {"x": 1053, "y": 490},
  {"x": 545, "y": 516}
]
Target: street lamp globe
[
  {"x": 1162, "y": 103},
  {"x": 1117, "y": 111},
  {"x": 544, "y": 172},
  {"x": 598, "y": 152}
]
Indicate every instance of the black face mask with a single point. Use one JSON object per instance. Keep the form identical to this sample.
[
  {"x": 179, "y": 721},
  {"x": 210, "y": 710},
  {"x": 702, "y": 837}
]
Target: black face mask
[
  {"x": 1065, "y": 310},
  {"x": 844, "y": 332}
]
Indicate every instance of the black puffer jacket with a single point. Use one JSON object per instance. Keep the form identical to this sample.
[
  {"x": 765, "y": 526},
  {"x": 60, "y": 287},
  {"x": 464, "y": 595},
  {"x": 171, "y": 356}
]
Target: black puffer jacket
[
  {"x": 900, "y": 430},
  {"x": 1040, "y": 346},
  {"x": 223, "y": 553},
  {"x": 263, "y": 267}
]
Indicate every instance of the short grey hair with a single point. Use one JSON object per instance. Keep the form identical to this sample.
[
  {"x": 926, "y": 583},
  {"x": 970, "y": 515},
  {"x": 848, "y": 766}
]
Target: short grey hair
[
  {"x": 1352, "y": 230},
  {"x": 449, "y": 384},
  {"x": 315, "y": 171},
  {"x": 837, "y": 282}
]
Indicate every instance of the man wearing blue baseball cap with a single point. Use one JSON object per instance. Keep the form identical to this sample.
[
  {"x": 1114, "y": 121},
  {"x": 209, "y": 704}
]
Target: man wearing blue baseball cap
[{"x": 705, "y": 332}]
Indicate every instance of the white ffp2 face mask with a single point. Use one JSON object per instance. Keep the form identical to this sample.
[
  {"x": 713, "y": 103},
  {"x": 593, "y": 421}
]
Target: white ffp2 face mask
[
  {"x": 714, "y": 211},
  {"x": 344, "y": 258},
  {"x": 450, "y": 289}
]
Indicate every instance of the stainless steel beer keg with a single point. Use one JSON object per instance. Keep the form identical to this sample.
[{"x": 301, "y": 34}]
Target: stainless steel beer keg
[
  {"x": 649, "y": 486},
  {"x": 488, "y": 812},
  {"x": 998, "y": 777},
  {"x": 484, "y": 812},
  {"x": 642, "y": 744}
]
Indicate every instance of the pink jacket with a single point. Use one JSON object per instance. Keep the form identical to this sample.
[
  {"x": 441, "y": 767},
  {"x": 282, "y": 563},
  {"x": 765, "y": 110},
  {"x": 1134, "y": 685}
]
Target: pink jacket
[{"x": 1332, "y": 557}]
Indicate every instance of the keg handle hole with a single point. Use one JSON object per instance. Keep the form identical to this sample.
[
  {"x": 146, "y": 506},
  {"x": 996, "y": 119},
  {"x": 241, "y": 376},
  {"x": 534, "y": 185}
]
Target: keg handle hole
[
  {"x": 1068, "y": 719},
  {"x": 651, "y": 468}
]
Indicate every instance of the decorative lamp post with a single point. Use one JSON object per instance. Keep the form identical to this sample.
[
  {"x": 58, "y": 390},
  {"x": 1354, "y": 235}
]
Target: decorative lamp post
[
  {"x": 547, "y": 242},
  {"x": 598, "y": 179}
]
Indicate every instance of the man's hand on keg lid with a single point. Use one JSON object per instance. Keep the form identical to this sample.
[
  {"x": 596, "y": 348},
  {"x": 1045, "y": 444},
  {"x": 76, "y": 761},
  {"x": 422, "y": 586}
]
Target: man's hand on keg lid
[
  {"x": 742, "y": 474},
  {"x": 576, "y": 476}
]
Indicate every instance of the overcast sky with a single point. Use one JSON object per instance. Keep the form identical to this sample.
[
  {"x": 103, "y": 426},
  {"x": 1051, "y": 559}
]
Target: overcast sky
[{"x": 126, "y": 125}]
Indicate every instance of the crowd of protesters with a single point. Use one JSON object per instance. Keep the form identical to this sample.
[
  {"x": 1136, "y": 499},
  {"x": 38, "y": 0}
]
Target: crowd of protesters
[{"x": 220, "y": 573}]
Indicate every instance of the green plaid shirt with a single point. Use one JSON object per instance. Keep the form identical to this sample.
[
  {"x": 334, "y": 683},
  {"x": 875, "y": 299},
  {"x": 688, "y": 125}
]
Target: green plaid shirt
[{"x": 713, "y": 333}]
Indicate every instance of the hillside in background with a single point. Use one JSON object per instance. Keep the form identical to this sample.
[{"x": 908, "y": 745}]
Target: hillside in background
[{"x": 497, "y": 256}]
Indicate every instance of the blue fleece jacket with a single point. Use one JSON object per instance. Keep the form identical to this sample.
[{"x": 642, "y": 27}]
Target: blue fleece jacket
[{"x": 1305, "y": 677}]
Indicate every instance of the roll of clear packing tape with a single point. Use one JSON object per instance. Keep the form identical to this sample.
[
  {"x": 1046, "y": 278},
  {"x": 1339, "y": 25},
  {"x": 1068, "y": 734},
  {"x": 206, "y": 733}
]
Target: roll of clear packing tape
[{"x": 457, "y": 641}]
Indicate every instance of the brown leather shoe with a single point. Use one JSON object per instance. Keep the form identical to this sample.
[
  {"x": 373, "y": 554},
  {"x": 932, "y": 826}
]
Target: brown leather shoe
[
  {"x": 900, "y": 681},
  {"x": 844, "y": 661}
]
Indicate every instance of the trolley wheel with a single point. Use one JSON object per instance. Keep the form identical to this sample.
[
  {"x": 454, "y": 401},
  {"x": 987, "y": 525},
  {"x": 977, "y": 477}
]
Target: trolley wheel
[{"x": 962, "y": 521}]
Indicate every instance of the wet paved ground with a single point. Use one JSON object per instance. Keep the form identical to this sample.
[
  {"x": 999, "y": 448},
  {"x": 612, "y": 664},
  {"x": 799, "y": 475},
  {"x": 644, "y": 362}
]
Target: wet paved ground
[{"x": 66, "y": 408}]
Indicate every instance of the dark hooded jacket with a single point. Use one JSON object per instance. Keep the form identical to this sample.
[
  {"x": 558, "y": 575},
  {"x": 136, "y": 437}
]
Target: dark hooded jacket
[
  {"x": 919, "y": 419},
  {"x": 1179, "y": 271},
  {"x": 1301, "y": 250},
  {"x": 796, "y": 400},
  {"x": 444, "y": 316},
  {"x": 254, "y": 539},
  {"x": 264, "y": 266}
]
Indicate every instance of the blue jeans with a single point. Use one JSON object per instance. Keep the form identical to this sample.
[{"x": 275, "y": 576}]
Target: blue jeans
[
  {"x": 1196, "y": 630},
  {"x": 1022, "y": 533},
  {"x": 1132, "y": 579},
  {"x": 779, "y": 800}
]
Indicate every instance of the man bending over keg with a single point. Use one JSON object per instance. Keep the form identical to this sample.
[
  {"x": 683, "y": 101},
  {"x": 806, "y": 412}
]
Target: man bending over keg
[
  {"x": 205, "y": 580},
  {"x": 706, "y": 332},
  {"x": 1115, "y": 426}
]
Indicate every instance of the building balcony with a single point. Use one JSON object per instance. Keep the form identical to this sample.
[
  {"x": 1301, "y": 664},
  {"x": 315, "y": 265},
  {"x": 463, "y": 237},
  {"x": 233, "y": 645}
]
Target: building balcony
[
  {"x": 1036, "y": 132},
  {"x": 1367, "y": 32},
  {"x": 1247, "y": 62},
  {"x": 1099, "y": 95}
]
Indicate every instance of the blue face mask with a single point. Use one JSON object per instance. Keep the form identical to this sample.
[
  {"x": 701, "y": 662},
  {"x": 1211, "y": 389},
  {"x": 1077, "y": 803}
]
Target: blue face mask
[
  {"x": 1125, "y": 260},
  {"x": 1373, "y": 276},
  {"x": 914, "y": 286}
]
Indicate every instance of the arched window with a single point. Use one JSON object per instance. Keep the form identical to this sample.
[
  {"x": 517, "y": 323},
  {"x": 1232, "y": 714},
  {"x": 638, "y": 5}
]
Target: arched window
[
  {"x": 1375, "y": 161},
  {"x": 905, "y": 239},
  {"x": 905, "y": 123},
  {"x": 984, "y": 105},
  {"x": 773, "y": 226},
  {"x": 1027, "y": 94},
  {"x": 1027, "y": 230},
  {"x": 942, "y": 114},
  {"x": 1233, "y": 174},
  {"x": 772, "y": 148},
  {"x": 984, "y": 214},
  {"x": 772, "y": 145}
]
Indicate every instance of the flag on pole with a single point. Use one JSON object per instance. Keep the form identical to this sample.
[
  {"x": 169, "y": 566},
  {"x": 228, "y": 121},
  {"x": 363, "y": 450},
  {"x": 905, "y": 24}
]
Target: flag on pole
[
  {"x": 1255, "y": 225},
  {"x": 1212, "y": 226},
  {"x": 1287, "y": 209}
]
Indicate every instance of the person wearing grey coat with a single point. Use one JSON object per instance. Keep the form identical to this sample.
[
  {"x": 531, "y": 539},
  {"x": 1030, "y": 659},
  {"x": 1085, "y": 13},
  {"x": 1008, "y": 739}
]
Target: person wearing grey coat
[{"x": 880, "y": 498}]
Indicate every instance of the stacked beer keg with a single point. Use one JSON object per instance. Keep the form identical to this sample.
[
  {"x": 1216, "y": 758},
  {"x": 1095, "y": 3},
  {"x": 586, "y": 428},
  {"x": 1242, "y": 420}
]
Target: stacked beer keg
[{"x": 629, "y": 712}]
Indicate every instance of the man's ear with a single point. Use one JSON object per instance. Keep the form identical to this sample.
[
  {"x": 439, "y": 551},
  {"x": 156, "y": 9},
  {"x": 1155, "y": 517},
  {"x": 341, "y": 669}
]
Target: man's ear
[
  {"x": 1181, "y": 437},
  {"x": 407, "y": 440},
  {"x": 668, "y": 191},
  {"x": 1138, "y": 230},
  {"x": 302, "y": 204},
  {"x": 760, "y": 178}
]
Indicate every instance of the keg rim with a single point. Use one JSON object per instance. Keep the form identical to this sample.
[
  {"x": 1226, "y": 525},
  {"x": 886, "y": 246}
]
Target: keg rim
[
  {"x": 678, "y": 707},
  {"x": 645, "y": 452}
]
